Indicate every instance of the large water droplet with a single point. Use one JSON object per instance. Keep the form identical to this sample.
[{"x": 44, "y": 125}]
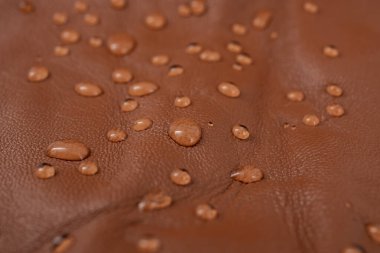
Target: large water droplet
[
  {"x": 185, "y": 132},
  {"x": 116, "y": 135},
  {"x": 154, "y": 201},
  {"x": 206, "y": 212},
  {"x": 180, "y": 177},
  {"x": 129, "y": 105},
  {"x": 70, "y": 150},
  {"x": 44, "y": 171},
  {"x": 311, "y": 120},
  {"x": 70, "y": 36},
  {"x": 241, "y": 132},
  {"x": 88, "y": 168},
  {"x": 229, "y": 89},
  {"x": 38, "y": 74},
  {"x": 247, "y": 174},
  {"x": 88, "y": 89},
  {"x": 142, "y": 124},
  {"x": 120, "y": 44},
  {"x": 148, "y": 245},
  {"x": 155, "y": 21},
  {"x": 121, "y": 75},
  {"x": 262, "y": 20},
  {"x": 142, "y": 89}
]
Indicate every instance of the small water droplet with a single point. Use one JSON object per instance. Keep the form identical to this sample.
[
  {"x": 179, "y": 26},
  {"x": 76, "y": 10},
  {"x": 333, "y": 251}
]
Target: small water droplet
[
  {"x": 185, "y": 132},
  {"x": 88, "y": 168},
  {"x": 273, "y": 35},
  {"x": 335, "y": 110},
  {"x": 262, "y": 20},
  {"x": 211, "y": 124},
  {"x": 184, "y": 10},
  {"x": 142, "y": 124},
  {"x": 241, "y": 132},
  {"x": 70, "y": 36},
  {"x": 87, "y": 89},
  {"x": 286, "y": 125},
  {"x": 237, "y": 67},
  {"x": 193, "y": 48},
  {"x": 373, "y": 231},
  {"x": 38, "y": 74},
  {"x": 148, "y": 245},
  {"x": 60, "y": 18},
  {"x": 120, "y": 44},
  {"x": 142, "y": 89},
  {"x": 44, "y": 171},
  {"x": 210, "y": 56},
  {"x": 244, "y": 59},
  {"x": 206, "y": 212},
  {"x": 160, "y": 59},
  {"x": 182, "y": 102},
  {"x": 330, "y": 51},
  {"x": 69, "y": 150},
  {"x": 229, "y": 89},
  {"x": 239, "y": 29},
  {"x": 122, "y": 75},
  {"x": 198, "y": 7},
  {"x": 311, "y": 120},
  {"x": 353, "y": 249},
  {"x": 118, "y": 4},
  {"x": 310, "y": 7},
  {"x": 234, "y": 47},
  {"x": 80, "y": 6},
  {"x": 26, "y": 6},
  {"x": 129, "y": 105},
  {"x": 61, "y": 50},
  {"x": 91, "y": 19},
  {"x": 154, "y": 201},
  {"x": 61, "y": 244},
  {"x": 295, "y": 96},
  {"x": 334, "y": 90},
  {"x": 155, "y": 21},
  {"x": 248, "y": 174},
  {"x": 116, "y": 135},
  {"x": 175, "y": 70},
  {"x": 95, "y": 41},
  {"x": 180, "y": 177}
]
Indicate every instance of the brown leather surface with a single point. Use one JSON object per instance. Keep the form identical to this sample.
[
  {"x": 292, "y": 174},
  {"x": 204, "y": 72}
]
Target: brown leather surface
[{"x": 321, "y": 184}]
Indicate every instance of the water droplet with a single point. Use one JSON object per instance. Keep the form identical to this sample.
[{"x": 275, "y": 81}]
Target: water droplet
[
  {"x": 70, "y": 150},
  {"x": 175, "y": 70},
  {"x": 38, "y": 74},
  {"x": 241, "y": 132},
  {"x": 310, "y": 7},
  {"x": 373, "y": 231},
  {"x": 335, "y": 110},
  {"x": 210, "y": 56},
  {"x": 160, "y": 59},
  {"x": 116, "y": 135},
  {"x": 239, "y": 29},
  {"x": 248, "y": 174},
  {"x": 311, "y": 120},
  {"x": 273, "y": 35},
  {"x": 334, "y": 90},
  {"x": 129, "y": 105},
  {"x": 70, "y": 36},
  {"x": 26, "y": 6},
  {"x": 80, "y": 6},
  {"x": 185, "y": 132},
  {"x": 229, "y": 89},
  {"x": 61, "y": 50},
  {"x": 88, "y": 89},
  {"x": 142, "y": 89},
  {"x": 121, "y": 75},
  {"x": 353, "y": 249},
  {"x": 142, "y": 124},
  {"x": 243, "y": 59},
  {"x": 180, "y": 177},
  {"x": 330, "y": 51},
  {"x": 91, "y": 19},
  {"x": 88, "y": 168},
  {"x": 184, "y": 10},
  {"x": 118, "y": 4},
  {"x": 44, "y": 171},
  {"x": 295, "y": 96},
  {"x": 154, "y": 201},
  {"x": 148, "y": 245},
  {"x": 120, "y": 44},
  {"x": 234, "y": 47},
  {"x": 198, "y": 7},
  {"x": 211, "y": 124},
  {"x": 206, "y": 212},
  {"x": 61, "y": 244},
  {"x": 182, "y": 102},
  {"x": 262, "y": 20},
  {"x": 237, "y": 67},
  {"x": 60, "y": 18},
  {"x": 193, "y": 48},
  {"x": 95, "y": 41},
  {"x": 155, "y": 21}
]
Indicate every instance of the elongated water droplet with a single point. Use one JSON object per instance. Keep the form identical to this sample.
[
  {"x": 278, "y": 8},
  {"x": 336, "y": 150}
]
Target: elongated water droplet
[
  {"x": 121, "y": 75},
  {"x": 262, "y": 20},
  {"x": 142, "y": 124},
  {"x": 311, "y": 120},
  {"x": 229, "y": 89},
  {"x": 88, "y": 89},
  {"x": 206, "y": 212},
  {"x": 154, "y": 201},
  {"x": 70, "y": 150},
  {"x": 248, "y": 174},
  {"x": 116, "y": 135},
  {"x": 142, "y": 89},
  {"x": 295, "y": 96},
  {"x": 38, "y": 74},
  {"x": 148, "y": 245},
  {"x": 129, "y": 105},
  {"x": 241, "y": 132},
  {"x": 180, "y": 177},
  {"x": 70, "y": 36}
]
